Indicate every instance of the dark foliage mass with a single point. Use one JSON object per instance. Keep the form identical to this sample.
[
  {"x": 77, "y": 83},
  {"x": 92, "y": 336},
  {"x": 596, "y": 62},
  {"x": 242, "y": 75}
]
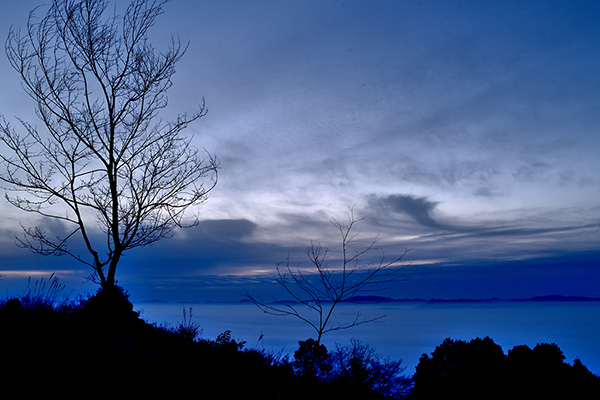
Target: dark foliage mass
[
  {"x": 355, "y": 371},
  {"x": 99, "y": 347},
  {"x": 479, "y": 369}
]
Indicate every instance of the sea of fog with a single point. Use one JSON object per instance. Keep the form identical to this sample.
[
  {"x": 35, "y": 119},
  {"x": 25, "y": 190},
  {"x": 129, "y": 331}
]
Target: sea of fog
[{"x": 409, "y": 328}]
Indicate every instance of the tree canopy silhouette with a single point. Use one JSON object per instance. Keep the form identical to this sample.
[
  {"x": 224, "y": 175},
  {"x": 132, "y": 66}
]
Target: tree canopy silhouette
[
  {"x": 107, "y": 166},
  {"x": 480, "y": 369}
]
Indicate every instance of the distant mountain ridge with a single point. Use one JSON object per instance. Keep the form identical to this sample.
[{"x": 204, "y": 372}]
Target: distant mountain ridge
[
  {"x": 383, "y": 299},
  {"x": 552, "y": 297}
]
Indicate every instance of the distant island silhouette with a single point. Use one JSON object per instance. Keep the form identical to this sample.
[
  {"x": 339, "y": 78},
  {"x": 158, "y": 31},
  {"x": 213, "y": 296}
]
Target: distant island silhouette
[
  {"x": 384, "y": 299},
  {"x": 552, "y": 297}
]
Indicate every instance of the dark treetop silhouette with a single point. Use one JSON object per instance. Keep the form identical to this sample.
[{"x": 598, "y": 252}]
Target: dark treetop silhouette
[
  {"x": 479, "y": 369},
  {"x": 99, "y": 84}
]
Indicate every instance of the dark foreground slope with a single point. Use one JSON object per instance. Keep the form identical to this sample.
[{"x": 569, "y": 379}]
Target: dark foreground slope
[{"x": 100, "y": 348}]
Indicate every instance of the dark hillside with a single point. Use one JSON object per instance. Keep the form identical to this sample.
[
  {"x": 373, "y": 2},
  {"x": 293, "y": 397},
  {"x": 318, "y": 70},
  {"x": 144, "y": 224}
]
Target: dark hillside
[{"x": 99, "y": 347}]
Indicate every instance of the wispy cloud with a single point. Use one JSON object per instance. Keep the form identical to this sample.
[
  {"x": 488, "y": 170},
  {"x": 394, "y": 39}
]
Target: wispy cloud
[
  {"x": 418, "y": 208},
  {"x": 465, "y": 132}
]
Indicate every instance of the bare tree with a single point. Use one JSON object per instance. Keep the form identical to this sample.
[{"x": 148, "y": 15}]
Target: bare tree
[
  {"x": 105, "y": 157},
  {"x": 314, "y": 296}
]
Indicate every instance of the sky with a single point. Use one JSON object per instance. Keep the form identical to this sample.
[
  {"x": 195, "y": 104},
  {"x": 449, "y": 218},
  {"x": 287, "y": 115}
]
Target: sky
[{"x": 467, "y": 132}]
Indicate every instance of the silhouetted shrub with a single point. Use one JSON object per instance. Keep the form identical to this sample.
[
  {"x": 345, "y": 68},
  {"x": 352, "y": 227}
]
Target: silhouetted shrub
[
  {"x": 311, "y": 360},
  {"x": 356, "y": 371},
  {"x": 43, "y": 294},
  {"x": 480, "y": 369},
  {"x": 359, "y": 366},
  {"x": 187, "y": 328},
  {"x": 224, "y": 340},
  {"x": 12, "y": 310},
  {"x": 111, "y": 302},
  {"x": 542, "y": 373},
  {"x": 462, "y": 369}
]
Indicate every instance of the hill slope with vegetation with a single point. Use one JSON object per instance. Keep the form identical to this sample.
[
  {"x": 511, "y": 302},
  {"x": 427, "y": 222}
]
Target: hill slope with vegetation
[{"x": 98, "y": 346}]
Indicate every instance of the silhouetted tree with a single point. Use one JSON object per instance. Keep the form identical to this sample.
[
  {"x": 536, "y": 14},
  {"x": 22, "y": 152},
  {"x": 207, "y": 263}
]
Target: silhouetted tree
[
  {"x": 459, "y": 369},
  {"x": 320, "y": 292},
  {"x": 311, "y": 359},
  {"x": 479, "y": 369},
  {"x": 107, "y": 167},
  {"x": 540, "y": 372}
]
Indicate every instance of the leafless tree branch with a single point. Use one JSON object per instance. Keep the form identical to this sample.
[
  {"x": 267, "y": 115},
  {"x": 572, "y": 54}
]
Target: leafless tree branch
[
  {"x": 321, "y": 291},
  {"x": 99, "y": 85}
]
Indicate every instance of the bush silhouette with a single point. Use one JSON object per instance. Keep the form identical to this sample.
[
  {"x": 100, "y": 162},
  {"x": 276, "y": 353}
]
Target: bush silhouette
[
  {"x": 111, "y": 302},
  {"x": 311, "y": 359},
  {"x": 542, "y": 373},
  {"x": 480, "y": 369},
  {"x": 464, "y": 369},
  {"x": 356, "y": 371},
  {"x": 361, "y": 369}
]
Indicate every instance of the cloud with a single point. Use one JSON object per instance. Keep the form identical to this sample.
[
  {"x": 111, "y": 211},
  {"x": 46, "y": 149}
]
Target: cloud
[
  {"x": 414, "y": 222},
  {"x": 226, "y": 230},
  {"x": 483, "y": 191},
  {"x": 418, "y": 208}
]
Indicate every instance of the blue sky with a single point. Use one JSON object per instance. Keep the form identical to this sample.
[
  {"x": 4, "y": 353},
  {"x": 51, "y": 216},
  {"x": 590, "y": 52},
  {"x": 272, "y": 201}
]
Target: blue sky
[{"x": 466, "y": 131}]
